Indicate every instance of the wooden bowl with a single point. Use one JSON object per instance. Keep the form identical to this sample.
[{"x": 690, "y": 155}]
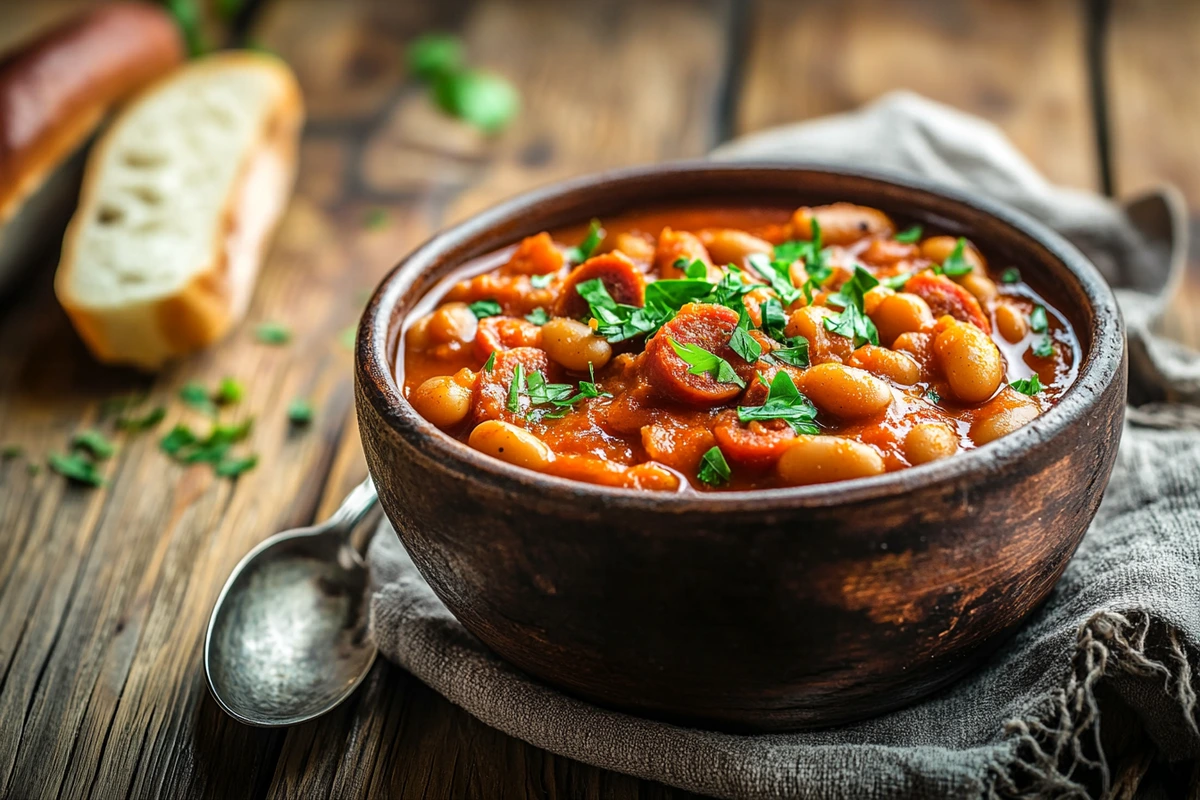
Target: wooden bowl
[{"x": 767, "y": 610}]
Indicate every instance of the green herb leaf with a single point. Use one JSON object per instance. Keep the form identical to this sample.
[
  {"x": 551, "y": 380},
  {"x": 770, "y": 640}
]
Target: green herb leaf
[
  {"x": 490, "y": 364},
  {"x": 76, "y": 467},
  {"x": 617, "y": 322},
  {"x": 668, "y": 296},
  {"x": 956, "y": 263},
  {"x": 909, "y": 235},
  {"x": 196, "y": 396},
  {"x": 180, "y": 437},
  {"x": 229, "y": 391},
  {"x": 714, "y": 469},
  {"x": 272, "y": 333},
  {"x": 774, "y": 320},
  {"x": 32, "y": 468},
  {"x": 143, "y": 423},
  {"x": 300, "y": 412},
  {"x": 742, "y": 343},
  {"x": 541, "y": 281},
  {"x": 485, "y": 308},
  {"x": 94, "y": 443},
  {"x": 696, "y": 271},
  {"x": 434, "y": 55},
  {"x": 538, "y": 317},
  {"x": 233, "y": 467},
  {"x": 785, "y": 402},
  {"x": 932, "y": 395},
  {"x": 1038, "y": 322},
  {"x": 187, "y": 18},
  {"x": 227, "y": 10},
  {"x": 778, "y": 273},
  {"x": 853, "y": 322},
  {"x": 1030, "y": 386},
  {"x": 595, "y": 235},
  {"x": 542, "y": 393},
  {"x": 486, "y": 101},
  {"x": 897, "y": 282},
  {"x": 11, "y": 451},
  {"x": 794, "y": 354},
  {"x": 702, "y": 362},
  {"x": 1044, "y": 348},
  {"x": 1010, "y": 275},
  {"x": 515, "y": 388},
  {"x": 375, "y": 219}
]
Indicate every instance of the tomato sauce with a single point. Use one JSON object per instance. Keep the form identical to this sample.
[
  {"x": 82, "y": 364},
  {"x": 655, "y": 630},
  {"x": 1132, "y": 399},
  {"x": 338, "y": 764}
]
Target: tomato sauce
[{"x": 734, "y": 349}]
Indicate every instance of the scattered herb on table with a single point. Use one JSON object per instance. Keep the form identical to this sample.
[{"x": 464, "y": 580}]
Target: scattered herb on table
[
  {"x": 144, "y": 422},
  {"x": 482, "y": 99},
  {"x": 229, "y": 391},
  {"x": 186, "y": 447},
  {"x": 233, "y": 467},
  {"x": 272, "y": 333},
  {"x": 11, "y": 451},
  {"x": 714, "y": 469},
  {"x": 300, "y": 412},
  {"x": 375, "y": 219},
  {"x": 77, "y": 467},
  {"x": 94, "y": 443},
  {"x": 435, "y": 55},
  {"x": 195, "y": 395}
]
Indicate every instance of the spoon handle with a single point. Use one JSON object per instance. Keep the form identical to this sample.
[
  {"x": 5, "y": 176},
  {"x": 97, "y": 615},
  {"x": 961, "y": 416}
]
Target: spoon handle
[{"x": 354, "y": 507}]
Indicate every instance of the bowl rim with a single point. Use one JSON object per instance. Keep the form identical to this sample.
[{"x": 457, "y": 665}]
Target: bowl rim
[{"x": 376, "y": 377}]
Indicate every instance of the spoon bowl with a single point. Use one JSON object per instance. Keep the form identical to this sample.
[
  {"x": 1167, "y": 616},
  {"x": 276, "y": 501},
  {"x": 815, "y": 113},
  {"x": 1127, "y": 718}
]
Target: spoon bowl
[{"x": 288, "y": 638}]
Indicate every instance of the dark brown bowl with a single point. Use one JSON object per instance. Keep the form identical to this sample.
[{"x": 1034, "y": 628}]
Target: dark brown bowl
[{"x": 765, "y": 610}]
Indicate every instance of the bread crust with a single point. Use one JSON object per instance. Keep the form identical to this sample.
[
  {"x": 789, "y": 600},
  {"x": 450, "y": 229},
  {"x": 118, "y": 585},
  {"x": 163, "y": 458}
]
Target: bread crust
[
  {"x": 214, "y": 299},
  {"x": 57, "y": 89}
]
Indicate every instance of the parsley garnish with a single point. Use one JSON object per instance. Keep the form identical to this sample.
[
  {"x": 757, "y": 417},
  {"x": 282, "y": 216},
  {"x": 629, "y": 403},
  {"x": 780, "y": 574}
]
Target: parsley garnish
[
  {"x": 742, "y": 343},
  {"x": 853, "y": 322},
  {"x": 541, "y": 281},
  {"x": 595, "y": 235},
  {"x": 785, "y": 402},
  {"x": 1038, "y": 322},
  {"x": 375, "y": 219},
  {"x": 1010, "y": 275},
  {"x": 932, "y": 396},
  {"x": 774, "y": 320},
  {"x": 1030, "y": 386},
  {"x": 538, "y": 317},
  {"x": 618, "y": 322},
  {"x": 94, "y": 443},
  {"x": 300, "y": 412},
  {"x": 490, "y": 364},
  {"x": 434, "y": 55},
  {"x": 196, "y": 396},
  {"x": 10, "y": 451},
  {"x": 183, "y": 445},
  {"x": 696, "y": 271},
  {"x": 815, "y": 262},
  {"x": 956, "y": 263},
  {"x": 272, "y": 333},
  {"x": 795, "y": 354},
  {"x": 896, "y": 282},
  {"x": 909, "y": 235},
  {"x": 714, "y": 469},
  {"x": 515, "y": 388},
  {"x": 1044, "y": 348},
  {"x": 485, "y": 308},
  {"x": 142, "y": 423},
  {"x": 702, "y": 362},
  {"x": 76, "y": 467},
  {"x": 778, "y": 273},
  {"x": 233, "y": 467},
  {"x": 558, "y": 395},
  {"x": 228, "y": 391}
]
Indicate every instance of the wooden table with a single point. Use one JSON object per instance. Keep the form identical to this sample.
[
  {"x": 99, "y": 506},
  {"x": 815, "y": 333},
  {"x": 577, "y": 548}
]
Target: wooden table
[{"x": 104, "y": 593}]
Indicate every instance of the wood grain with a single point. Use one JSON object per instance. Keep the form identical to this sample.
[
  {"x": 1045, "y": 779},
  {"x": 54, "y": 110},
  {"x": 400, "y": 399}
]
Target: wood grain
[
  {"x": 1020, "y": 65},
  {"x": 1153, "y": 64}
]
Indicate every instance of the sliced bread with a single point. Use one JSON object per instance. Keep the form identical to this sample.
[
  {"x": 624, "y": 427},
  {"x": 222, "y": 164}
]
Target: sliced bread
[{"x": 179, "y": 201}]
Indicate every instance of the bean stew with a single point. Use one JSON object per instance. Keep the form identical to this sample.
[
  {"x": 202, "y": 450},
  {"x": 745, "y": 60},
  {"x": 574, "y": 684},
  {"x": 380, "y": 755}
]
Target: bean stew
[{"x": 735, "y": 348}]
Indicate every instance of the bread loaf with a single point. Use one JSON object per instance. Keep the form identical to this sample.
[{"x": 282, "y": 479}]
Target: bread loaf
[
  {"x": 179, "y": 199},
  {"x": 54, "y": 92}
]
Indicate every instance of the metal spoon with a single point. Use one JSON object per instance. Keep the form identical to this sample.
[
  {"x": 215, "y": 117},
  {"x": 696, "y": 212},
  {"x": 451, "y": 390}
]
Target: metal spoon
[{"x": 288, "y": 638}]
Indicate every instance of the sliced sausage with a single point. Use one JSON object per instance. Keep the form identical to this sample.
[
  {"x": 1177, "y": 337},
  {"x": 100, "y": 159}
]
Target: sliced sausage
[
  {"x": 674, "y": 245},
  {"x": 489, "y": 398},
  {"x": 709, "y": 327},
  {"x": 623, "y": 280},
  {"x": 755, "y": 444},
  {"x": 505, "y": 333},
  {"x": 944, "y": 296}
]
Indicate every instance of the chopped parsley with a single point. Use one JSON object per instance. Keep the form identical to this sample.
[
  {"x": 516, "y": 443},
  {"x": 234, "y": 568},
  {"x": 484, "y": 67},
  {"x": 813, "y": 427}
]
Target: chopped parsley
[
  {"x": 909, "y": 235},
  {"x": 541, "y": 281},
  {"x": 77, "y": 467},
  {"x": 853, "y": 322},
  {"x": 774, "y": 320},
  {"x": 1030, "y": 386},
  {"x": 559, "y": 396},
  {"x": 186, "y": 447},
  {"x": 697, "y": 270},
  {"x": 10, "y": 451},
  {"x": 742, "y": 343},
  {"x": 482, "y": 99},
  {"x": 778, "y": 273},
  {"x": 538, "y": 317},
  {"x": 229, "y": 391},
  {"x": 956, "y": 263},
  {"x": 485, "y": 308},
  {"x": 94, "y": 443},
  {"x": 1010, "y": 275},
  {"x": 375, "y": 219},
  {"x": 795, "y": 354},
  {"x": 272, "y": 333},
  {"x": 702, "y": 362},
  {"x": 141, "y": 423},
  {"x": 515, "y": 388},
  {"x": 815, "y": 262},
  {"x": 616, "y": 321},
  {"x": 1038, "y": 322},
  {"x": 435, "y": 55},
  {"x": 714, "y": 469},
  {"x": 896, "y": 282},
  {"x": 581, "y": 253},
  {"x": 300, "y": 412},
  {"x": 784, "y": 402},
  {"x": 233, "y": 467},
  {"x": 932, "y": 396},
  {"x": 196, "y": 396},
  {"x": 1044, "y": 348},
  {"x": 490, "y": 364}
]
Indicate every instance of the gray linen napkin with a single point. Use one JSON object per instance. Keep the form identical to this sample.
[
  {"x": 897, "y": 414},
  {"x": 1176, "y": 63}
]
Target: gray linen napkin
[{"x": 1116, "y": 643}]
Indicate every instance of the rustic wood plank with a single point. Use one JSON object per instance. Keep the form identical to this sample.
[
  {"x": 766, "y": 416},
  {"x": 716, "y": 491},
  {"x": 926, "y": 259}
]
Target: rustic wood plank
[
  {"x": 1153, "y": 64},
  {"x": 1020, "y": 65}
]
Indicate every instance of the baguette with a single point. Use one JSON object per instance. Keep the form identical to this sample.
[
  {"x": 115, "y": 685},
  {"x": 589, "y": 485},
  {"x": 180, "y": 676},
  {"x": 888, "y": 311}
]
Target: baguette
[
  {"x": 54, "y": 92},
  {"x": 179, "y": 201}
]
